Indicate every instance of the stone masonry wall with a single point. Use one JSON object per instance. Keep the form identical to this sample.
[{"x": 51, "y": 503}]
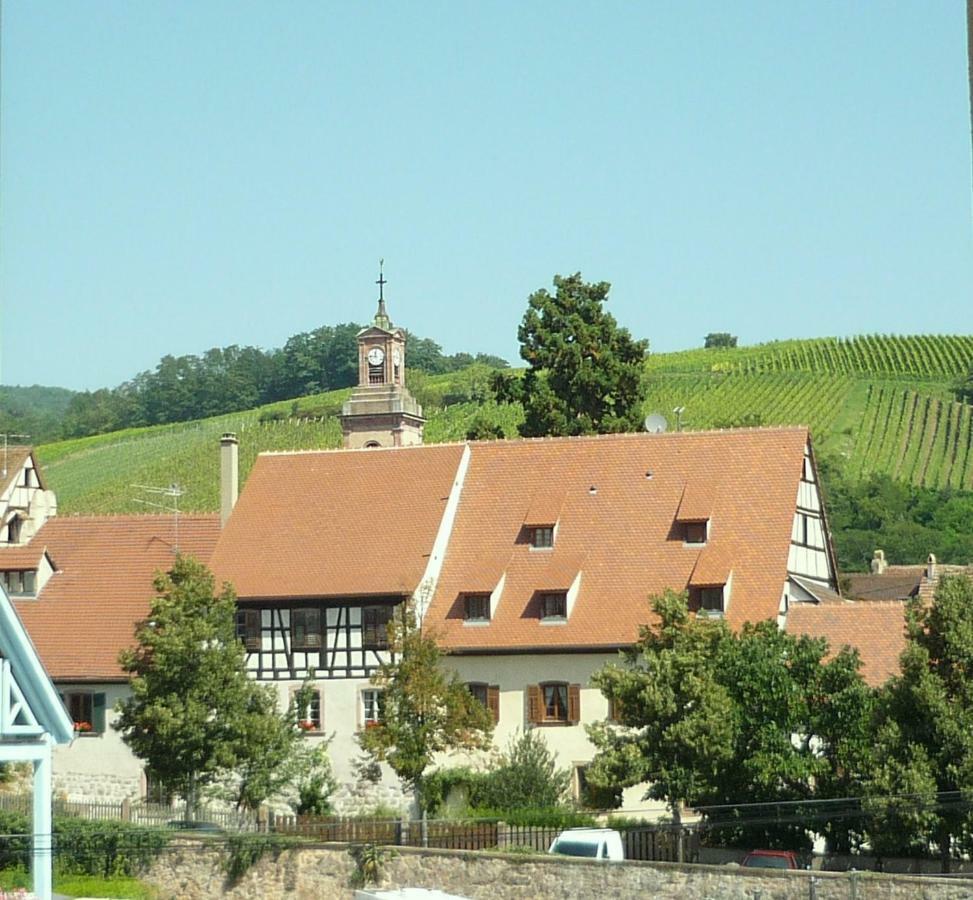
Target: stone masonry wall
[{"x": 193, "y": 870}]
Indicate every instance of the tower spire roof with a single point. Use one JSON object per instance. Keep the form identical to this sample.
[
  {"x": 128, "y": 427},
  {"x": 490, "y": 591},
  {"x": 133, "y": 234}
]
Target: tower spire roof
[{"x": 382, "y": 319}]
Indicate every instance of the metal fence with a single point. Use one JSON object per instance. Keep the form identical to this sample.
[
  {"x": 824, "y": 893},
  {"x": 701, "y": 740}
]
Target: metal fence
[{"x": 641, "y": 842}]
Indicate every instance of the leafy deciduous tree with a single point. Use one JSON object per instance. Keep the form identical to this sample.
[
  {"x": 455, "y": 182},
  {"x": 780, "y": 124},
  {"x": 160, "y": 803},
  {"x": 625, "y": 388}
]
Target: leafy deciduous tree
[
  {"x": 925, "y": 725},
  {"x": 194, "y": 716},
  {"x": 424, "y": 710}
]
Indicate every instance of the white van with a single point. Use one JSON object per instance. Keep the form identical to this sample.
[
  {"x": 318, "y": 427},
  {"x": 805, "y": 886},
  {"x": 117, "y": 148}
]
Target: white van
[{"x": 594, "y": 843}]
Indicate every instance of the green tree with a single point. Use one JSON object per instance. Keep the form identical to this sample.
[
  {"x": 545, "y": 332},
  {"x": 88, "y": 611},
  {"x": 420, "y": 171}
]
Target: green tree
[
  {"x": 925, "y": 725},
  {"x": 585, "y": 372},
  {"x": 709, "y": 717},
  {"x": 719, "y": 339},
  {"x": 194, "y": 716},
  {"x": 678, "y": 724},
  {"x": 424, "y": 710}
]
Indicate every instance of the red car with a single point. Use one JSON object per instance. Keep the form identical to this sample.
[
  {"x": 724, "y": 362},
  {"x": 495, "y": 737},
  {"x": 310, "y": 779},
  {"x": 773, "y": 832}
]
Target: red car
[{"x": 770, "y": 859}]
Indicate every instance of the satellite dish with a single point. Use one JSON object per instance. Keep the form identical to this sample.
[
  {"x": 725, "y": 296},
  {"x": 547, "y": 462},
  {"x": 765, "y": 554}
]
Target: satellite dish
[{"x": 656, "y": 423}]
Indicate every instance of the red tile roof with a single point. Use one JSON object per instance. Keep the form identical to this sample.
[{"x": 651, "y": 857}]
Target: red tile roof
[
  {"x": 875, "y": 628},
  {"x": 696, "y": 504},
  {"x": 27, "y": 556},
  {"x": 337, "y": 522},
  {"x": 621, "y": 496},
  {"x": 87, "y": 611}
]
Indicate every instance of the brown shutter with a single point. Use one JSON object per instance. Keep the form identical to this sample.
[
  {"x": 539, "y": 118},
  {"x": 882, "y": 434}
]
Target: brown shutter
[
  {"x": 615, "y": 710},
  {"x": 574, "y": 703},
  {"x": 493, "y": 701},
  {"x": 535, "y": 704}
]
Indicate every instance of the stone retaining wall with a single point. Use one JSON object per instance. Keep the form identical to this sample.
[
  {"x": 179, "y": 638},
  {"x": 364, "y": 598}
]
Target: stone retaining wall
[{"x": 193, "y": 870}]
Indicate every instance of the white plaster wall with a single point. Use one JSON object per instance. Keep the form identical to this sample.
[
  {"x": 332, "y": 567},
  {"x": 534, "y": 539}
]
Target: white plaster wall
[
  {"x": 341, "y": 720},
  {"x": 98, "y": 767},
  {"x": 569, "y": 743}
]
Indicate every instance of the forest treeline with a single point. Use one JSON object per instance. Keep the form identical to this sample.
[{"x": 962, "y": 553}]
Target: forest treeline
[{"x": 226, "y": 379}]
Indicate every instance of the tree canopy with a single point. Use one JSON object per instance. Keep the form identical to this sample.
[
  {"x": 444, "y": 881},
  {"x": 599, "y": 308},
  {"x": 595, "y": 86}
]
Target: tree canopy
[
  {"x": 711, "y": 717},
  {"x": 585, "y": 371},
  {"x": 925, "y": 729},
  {"x": 719, "y": 339},
  {"x": 424, "y": 709},
  {"x": 194, "y": 715}
]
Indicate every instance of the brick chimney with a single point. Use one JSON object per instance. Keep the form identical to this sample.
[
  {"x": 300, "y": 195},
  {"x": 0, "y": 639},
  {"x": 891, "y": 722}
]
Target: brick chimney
[
  {"x": 879, "y": 565},
  {"x": 229, "y": 474}
]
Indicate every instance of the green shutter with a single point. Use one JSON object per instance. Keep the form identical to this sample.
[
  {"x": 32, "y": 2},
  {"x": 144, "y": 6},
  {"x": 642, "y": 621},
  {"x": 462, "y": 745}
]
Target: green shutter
[{"x": 98, "y": 713}]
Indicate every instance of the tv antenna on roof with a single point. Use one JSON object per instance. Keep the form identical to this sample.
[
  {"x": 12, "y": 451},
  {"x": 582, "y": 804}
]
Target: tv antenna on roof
[
  {"x": 173, "y": 491},
  {"x": 6, "y": 438},
  {"x": 679, "y": 410},
  {"x": 656, "y": 423}
]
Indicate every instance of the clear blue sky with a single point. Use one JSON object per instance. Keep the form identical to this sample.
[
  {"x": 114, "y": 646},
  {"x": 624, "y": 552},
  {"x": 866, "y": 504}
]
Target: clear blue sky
[{"x": 183, "y": 175}]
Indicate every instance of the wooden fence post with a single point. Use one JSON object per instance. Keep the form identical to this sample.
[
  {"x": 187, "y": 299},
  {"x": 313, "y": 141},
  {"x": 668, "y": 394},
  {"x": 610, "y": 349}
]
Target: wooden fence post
[{"x": 126, "y": 811}]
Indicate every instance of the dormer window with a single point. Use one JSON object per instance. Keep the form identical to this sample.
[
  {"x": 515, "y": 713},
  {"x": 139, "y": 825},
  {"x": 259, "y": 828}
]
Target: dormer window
[
  {"x": 476, "y": 607},
  {"x": 542, "y": 537},
  {"x": 695, "y": 532},
  {"x": 554, "y": 605},
  {"x": 709, "y": 601},
  {"x": 21, "y": 583}
]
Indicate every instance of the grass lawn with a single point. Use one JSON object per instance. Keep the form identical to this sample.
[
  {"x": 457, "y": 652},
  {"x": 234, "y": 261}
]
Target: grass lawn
[{"x": 83, "y": 885}]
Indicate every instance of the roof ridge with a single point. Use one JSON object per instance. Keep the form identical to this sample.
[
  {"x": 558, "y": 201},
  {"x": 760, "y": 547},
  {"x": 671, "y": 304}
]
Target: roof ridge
[{"x": 553, "y": 438}]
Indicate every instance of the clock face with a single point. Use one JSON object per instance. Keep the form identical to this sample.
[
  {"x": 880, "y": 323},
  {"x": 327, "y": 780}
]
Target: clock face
[
  {"x": 376, "y": 356},
  {"x": 396, "y": 356}
]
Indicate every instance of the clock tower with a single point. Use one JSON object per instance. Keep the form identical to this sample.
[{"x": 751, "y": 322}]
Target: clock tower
[{"x": 381, "y": 412}]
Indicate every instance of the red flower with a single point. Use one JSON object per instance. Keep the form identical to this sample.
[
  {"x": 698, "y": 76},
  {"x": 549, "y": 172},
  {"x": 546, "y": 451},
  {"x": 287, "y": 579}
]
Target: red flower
[{"x": 82, "y": 726}]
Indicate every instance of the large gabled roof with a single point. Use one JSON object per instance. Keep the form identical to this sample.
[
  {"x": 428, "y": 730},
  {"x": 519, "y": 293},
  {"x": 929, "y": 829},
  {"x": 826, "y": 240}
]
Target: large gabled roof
[
  {"x": 617, "y": 531},
  {"x": 87, "y": 611},
  {"x": 337, "y": 523}
]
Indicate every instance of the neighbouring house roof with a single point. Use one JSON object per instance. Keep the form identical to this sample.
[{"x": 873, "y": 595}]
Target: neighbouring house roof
[
  {"x": 621, "y": 497},
  {"x": 890, "y": 585},
  {"x": 337, "y": 522},
  {"x": 87, "y": 611},
  {"x": 875, "y": 628},
  {"x": 15, "y": 460}
]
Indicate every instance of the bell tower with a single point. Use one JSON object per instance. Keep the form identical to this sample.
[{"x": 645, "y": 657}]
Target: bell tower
[{"x": 381, "y": 412}]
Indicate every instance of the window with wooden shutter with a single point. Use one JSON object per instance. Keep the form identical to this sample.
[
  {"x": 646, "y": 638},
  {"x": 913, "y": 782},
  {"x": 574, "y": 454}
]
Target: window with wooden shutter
[
  {"x": 614, "y": 709},
  {"x": 87, "y": 711},
  {"x": 535, "y": 704},
  {"x": 493, "y": 702},
  {"x": 248, "y": 628},
  {"x": 306, "y": 628},
  {"x": 574, "y": 703},
  {"x": 374, "y": 622}
]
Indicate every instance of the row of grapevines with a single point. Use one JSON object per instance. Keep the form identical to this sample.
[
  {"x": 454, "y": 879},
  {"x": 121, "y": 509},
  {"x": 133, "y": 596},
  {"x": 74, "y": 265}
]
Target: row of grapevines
[{"x": 915, "y": 437}]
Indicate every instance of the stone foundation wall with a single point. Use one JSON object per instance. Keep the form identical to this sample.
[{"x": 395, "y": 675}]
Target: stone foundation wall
[
  {"x": 192, "y": 870},
  {"x": 88, "y": 787}
]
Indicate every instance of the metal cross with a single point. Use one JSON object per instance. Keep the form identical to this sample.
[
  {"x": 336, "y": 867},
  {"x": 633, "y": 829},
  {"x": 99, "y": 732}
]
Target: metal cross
[{"x": 381, "y": 280}]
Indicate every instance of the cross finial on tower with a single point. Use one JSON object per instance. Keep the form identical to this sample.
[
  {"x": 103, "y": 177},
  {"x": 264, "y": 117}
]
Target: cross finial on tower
[{"x": 382, "y": 319}]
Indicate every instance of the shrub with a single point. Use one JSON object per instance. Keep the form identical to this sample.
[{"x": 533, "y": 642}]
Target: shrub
[{"x": 527, "y": 778}]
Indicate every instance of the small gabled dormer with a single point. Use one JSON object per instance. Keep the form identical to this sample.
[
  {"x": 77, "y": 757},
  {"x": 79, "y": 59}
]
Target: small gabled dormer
[
  {"x": 710, "y": 587},
  {"x": 24, "y": 571},
  {"x": 694, "y": 517},
  {"x": 558, "y": 589},
  {"x": 478, "y": 605},
  {"x": 541, "y": 519}
]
